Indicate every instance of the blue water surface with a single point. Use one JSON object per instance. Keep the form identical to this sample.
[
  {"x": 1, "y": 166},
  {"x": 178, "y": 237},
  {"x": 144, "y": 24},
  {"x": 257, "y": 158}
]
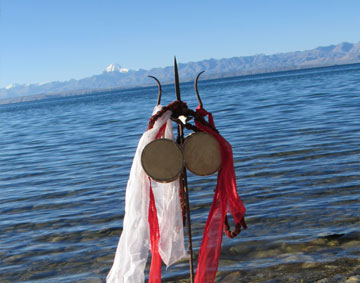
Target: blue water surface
[{"x": 64, "y": 165}]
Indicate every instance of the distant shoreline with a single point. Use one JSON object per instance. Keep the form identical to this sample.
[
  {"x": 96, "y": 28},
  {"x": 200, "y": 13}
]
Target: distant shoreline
[{"x": 44, "y": 96}]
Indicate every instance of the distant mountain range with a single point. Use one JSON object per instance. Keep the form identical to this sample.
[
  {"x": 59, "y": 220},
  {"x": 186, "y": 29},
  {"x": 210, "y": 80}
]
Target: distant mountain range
[{"x": 116, "y": 77}]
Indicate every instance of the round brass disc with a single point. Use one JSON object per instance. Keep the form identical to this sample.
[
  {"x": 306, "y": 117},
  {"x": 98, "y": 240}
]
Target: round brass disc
[
  {"x": 202, "y": 154},
  {"x": 162, "y": 160}
]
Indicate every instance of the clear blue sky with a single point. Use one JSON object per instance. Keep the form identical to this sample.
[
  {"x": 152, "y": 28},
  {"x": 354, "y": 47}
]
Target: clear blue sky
[{"x": 47, "y": 40}]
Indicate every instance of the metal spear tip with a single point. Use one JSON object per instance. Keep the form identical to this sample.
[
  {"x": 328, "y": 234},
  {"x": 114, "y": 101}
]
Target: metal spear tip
[{"x": 177, "y": 83}]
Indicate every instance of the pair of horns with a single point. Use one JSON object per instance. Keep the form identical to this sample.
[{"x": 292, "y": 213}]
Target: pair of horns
[{"x": 195, "y": 86}]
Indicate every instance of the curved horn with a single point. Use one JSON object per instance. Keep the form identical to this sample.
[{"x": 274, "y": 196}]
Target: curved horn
[
  {"x": 159, "y": 95},
  {"x": 196, "y": 88}
]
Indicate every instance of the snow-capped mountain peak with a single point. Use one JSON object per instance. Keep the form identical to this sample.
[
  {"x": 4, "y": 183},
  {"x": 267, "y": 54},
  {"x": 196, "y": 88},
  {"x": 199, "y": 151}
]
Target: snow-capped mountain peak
[
  {"x": 116, "y": 68},
  {"x": 12, "y": 86}
]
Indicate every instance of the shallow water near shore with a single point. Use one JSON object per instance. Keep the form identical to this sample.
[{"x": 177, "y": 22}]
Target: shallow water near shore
[{"x": 64, "y": 165}]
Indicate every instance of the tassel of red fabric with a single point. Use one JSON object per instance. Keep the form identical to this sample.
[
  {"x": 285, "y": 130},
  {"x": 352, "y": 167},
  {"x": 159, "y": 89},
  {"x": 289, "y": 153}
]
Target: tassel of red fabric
[
  {"x": 155, "y": 269},
  {"x": 225, "y": 196}
]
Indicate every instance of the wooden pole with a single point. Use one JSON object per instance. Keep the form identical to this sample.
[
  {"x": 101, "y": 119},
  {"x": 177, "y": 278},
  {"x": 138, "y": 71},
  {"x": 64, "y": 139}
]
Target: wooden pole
[{"x": 183, "y": 178}]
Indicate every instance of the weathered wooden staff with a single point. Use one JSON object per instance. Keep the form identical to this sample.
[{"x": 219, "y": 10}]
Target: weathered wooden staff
[{"x": 183, "y": 177}]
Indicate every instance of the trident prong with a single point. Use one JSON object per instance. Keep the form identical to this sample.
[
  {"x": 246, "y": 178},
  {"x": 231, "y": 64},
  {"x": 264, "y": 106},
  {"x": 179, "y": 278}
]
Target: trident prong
[
  {"x": 159, "y": 85},
  {"x": 196, "y": 89}
]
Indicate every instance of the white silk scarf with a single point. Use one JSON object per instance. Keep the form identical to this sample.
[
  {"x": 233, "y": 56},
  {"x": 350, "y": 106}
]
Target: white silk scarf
[{"x": 134, "y": 244}]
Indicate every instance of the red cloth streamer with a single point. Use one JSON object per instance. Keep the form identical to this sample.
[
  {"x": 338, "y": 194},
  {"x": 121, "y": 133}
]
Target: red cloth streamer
[
  {"x": 225, "y": 196},
  {"x": 161, "y": 132},
  {"x": 155, "y": 269}
]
